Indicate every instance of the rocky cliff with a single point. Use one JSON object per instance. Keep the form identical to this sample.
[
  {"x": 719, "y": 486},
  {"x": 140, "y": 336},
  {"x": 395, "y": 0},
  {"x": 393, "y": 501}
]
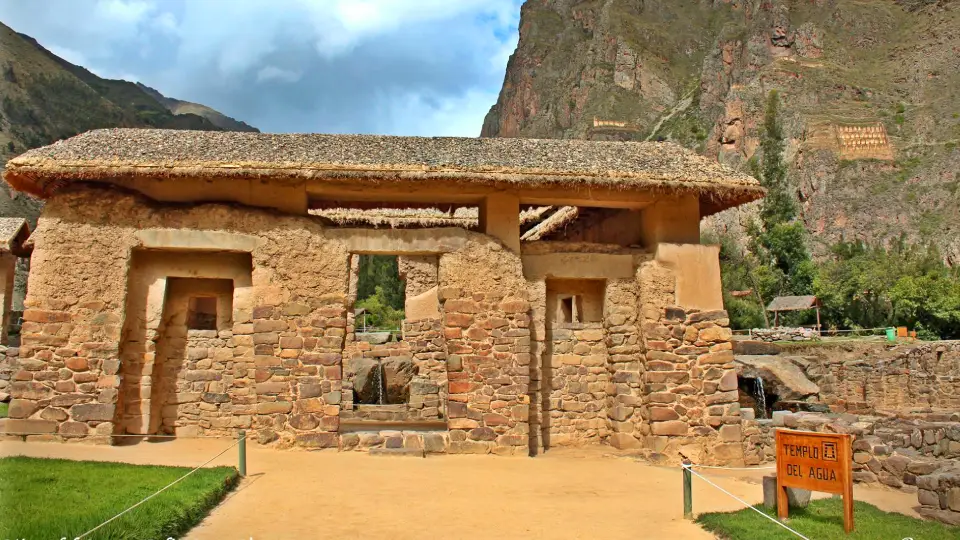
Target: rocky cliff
[{"x": 869, "y": 92}]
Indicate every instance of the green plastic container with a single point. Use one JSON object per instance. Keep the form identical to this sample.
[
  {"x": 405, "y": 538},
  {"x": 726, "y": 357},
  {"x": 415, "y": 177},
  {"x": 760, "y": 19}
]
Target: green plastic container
[{"x": 891, "y": 334}]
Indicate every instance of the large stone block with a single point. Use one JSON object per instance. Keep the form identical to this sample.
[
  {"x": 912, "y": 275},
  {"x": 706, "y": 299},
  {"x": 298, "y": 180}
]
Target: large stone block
[
  {"x": 624, "y": 441},
  {"x": 317, "y": 440},
  {"x": 88, "y": 412},
  {"x": 672, "y": 428},
  {"x": 13, "y": 425},
  {"x": 274, "y": 407},
  {"x": 22, "y": 408}
]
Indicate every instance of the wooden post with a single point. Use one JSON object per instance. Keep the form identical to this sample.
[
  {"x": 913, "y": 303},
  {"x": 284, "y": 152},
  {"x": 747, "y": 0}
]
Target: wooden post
[
  {"x": 818, "y": 321},
  {"x": 243, "y": 452},
  {"x": 687, "y": 490}
]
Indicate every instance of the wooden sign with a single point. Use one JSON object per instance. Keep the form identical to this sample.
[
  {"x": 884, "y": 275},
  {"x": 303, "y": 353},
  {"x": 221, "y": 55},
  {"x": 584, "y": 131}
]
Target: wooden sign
[{"x": 817, "y": 462}]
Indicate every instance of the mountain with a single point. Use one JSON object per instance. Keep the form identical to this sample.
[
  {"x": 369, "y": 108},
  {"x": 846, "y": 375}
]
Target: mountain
[
  {"x": 868, "y": 90},
  {"x": 44, "y": 98},
  {"x": 179, "y": 107}
]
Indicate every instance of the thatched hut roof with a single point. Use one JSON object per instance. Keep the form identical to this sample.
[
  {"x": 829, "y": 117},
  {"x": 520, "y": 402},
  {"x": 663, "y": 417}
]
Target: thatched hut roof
[
  {"x": 14, "y": 232},
  {"x": 793, "y": 303},
  {"x": 114, "y": 153}
]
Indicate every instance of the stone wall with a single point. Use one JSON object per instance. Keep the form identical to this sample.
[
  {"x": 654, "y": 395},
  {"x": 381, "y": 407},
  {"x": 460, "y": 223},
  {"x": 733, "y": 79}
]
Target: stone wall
[
  {"x": 916, "y": 455},
  {"x": 105, "y": 348},
  {"x": 689, "y": 382},
  {"x": 625, "y": 365},
  {"x": 488, "y": 347},
  {"x": 865, "y": 378},
  {"x": 578, "y": 379}
]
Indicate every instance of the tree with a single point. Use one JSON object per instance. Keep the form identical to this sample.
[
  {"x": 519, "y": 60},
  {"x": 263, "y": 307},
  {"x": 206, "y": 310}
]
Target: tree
[{"x": 382, "y": 271}]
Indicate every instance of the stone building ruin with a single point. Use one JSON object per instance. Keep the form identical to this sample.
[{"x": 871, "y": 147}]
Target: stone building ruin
[{"x": 199, "y": 283}]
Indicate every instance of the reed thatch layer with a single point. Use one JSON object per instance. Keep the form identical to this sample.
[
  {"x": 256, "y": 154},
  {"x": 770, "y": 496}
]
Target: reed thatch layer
[
  {"x": 112, "y": 153},
  {"x": 559, "y": 219},
  {"x": 400, "y": 217},
  {"x": 13, "y": 232},
  {"x": 467, "y": 217}
]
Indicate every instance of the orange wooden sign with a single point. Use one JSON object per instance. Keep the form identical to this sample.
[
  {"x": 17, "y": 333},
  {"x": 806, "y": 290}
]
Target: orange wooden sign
[{"x": 817, "y": 462}]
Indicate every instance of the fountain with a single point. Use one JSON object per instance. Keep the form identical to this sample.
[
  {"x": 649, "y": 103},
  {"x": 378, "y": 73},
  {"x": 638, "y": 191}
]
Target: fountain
[{"x": 761, "y": 397}]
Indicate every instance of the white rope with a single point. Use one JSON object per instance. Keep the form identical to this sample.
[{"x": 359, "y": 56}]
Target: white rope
[
  {"x": 733, "y": 468},
  {"x": 743, "y": 502},
  {"x": 162, "y": 489},
  {"x": 94, "y": 435}
]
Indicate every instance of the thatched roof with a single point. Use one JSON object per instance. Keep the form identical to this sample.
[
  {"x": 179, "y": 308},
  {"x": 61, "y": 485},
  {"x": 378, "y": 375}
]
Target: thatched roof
[
  {"x": 14, "y": 232},
  {"x": 113, "y": 153},
  {"x": 400, "y": 217},
  {"x": 559, "y": 219},
  {"x": 467, "y": 217},
  {"x": 793, "y": 303}
]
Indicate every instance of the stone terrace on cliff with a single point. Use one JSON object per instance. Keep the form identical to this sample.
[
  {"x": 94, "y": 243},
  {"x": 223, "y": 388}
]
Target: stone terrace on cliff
[{"x": 195, "y": 283}]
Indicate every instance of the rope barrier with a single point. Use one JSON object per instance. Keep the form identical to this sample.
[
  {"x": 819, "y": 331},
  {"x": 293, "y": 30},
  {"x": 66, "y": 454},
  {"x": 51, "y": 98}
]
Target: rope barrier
[
  {"x": 741, "y": 501},
  {"x": 168, "y": 486},
  {"x": 29, "y": 433},
  {"x": 733, "y": 468}
]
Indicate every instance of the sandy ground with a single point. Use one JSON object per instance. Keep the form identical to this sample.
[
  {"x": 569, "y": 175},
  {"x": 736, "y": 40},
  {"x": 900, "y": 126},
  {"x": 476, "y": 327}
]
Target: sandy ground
[{"x": 563, "y": 494}]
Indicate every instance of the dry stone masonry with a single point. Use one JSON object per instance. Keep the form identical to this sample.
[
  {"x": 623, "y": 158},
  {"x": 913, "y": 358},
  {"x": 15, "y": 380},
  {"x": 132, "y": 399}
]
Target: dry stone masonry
[{"x": 153, "y": 311}]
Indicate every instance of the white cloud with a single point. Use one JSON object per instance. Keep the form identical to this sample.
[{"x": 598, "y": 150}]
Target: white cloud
[
  {"x": 389, "y": 66},
  {"x": 454, "y": 116},
  {"x": 273, "y": 73}
]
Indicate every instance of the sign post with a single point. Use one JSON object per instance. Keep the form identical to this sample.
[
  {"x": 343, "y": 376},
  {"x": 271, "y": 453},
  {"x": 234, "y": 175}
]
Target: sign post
[{"x": 817, "y": 462}]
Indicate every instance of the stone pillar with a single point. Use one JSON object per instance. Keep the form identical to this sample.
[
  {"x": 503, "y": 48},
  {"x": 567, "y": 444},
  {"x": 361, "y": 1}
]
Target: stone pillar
[
  {"x": 488, "y": 345},
  {"x": 8, "y": 264},
  {"x": 500, "y": 218},
  {"x": 625, "y": 364},
  {"x": 690, "y": 385}
]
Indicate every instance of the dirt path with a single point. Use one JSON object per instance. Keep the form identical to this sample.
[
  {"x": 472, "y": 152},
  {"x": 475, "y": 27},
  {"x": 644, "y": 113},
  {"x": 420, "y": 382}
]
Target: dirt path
[{"x": 583, "y": 494}]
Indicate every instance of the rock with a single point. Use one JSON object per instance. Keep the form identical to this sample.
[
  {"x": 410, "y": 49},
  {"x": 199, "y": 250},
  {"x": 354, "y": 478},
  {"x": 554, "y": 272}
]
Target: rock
[
  {"x": 624, "y": 441},
  {"x": 93, "y": 412},
  {"x": 796, "y": 497},
  {"x": 433, "y": 443},
  {"x": 673, "y": 427},
  {"x": 780, "y": 376},
  {"x": 755, "y": 348},
  {"x": 396, "y": 374},
  {"x": 928, "y": 498},
  {"x": 4, "y": 397}
]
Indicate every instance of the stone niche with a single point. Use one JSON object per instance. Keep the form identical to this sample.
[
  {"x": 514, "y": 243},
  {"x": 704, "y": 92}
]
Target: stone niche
[
  {"x": 391, "y": 380},
  {"x": 178, "y": 350},
  {"x": 575, "y": 365}
]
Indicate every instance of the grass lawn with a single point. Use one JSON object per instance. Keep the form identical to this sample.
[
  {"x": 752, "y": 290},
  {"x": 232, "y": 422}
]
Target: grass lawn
[
  {"x": 56, "y": 498},
  {"x": 3, "y": 409},
  {"x": 823, "y": 519}
]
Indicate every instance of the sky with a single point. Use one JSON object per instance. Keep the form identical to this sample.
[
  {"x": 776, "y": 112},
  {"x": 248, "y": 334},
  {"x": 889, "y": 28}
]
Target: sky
[{"x": 396, "y": 67}]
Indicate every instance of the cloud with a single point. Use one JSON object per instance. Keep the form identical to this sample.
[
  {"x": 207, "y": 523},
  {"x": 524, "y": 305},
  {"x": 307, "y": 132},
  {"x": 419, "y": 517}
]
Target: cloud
[
  {"x": 273, "y": 73},
  {"x": 372, "y": 66}
]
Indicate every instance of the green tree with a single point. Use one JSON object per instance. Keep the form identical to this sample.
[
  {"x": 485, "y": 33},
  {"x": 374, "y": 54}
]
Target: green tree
[
  {"x": 381, "y": 271},
  {"x": 380, "y": 314}
]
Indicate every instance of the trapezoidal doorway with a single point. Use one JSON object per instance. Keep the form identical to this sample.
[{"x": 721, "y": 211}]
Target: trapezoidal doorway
[{"x": 178, "y": 361}]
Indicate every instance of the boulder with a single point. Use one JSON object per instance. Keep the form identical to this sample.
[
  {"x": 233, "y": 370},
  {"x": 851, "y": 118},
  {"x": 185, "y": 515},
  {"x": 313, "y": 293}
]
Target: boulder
[
  {"x": 796, "y": 497},
  {"x": 780, "y": 376},
  {"x": 753, "y": 348},
  {"x": 390, "y": 376}
]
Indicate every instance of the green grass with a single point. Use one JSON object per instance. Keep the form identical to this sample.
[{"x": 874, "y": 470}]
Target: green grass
[
  {"x": 823, "y": 520},
  {"x": 3, "y": 409},
  {"x": 55, "y": 498}
]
